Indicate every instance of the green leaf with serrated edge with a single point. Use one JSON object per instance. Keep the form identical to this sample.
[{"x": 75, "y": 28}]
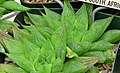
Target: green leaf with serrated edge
[
  {"x": 48, "y": 52},
  {"x": 60, "y": 49},
  {"x": 81, "y": 22},
  {"x": 73, "y": 37},
  {"x": 58, "y": 42},
  {"x": 18, "y": 53},
  {"x": 93, "y": 70},
  {"x": 10, "y": 68},
  {"x": 111, "y": 36},
  {"x": 37, "y": 37},
  {"x": 51, "y": 14},
  {"x": 96, "y": 30},
  {"x": 74, "y": 66},
  {"x": 15, "y": 44},
  {"x": 68, "y": 15},
  {"x": 27, "y": 20},
  {"x": 88, "y": 61},
  {"x": 53, "y": 23},
  {"x": 6, "y": 24},
  {"x": 32, "y": 50},
  {"x": 98, "y": 54},
  {"x": 60, "y": 33},
  {"x": 45, "y": 31},
  {"x": 38, "y": 20},
  {"x": 110, "y": 55},
  {"x": 22, "y": 62},
  {"x": 69, "y": 5},
  {"x": 12, "y": 5},
  {"x": 101, "y": 46},
  {"x": 79, "y": 26},
  {"x": 70, "y": 53},
  {"x": 57, "y": 66},
  {"x": 81, "y": 47},
  {"x": 27, "y": 28},
  {"x": 70, "y": 41},
  {"x": 77, "y": 36},
  {"x": 18, "y": 33},
  {"x": 2, "y": 10},
  {"x": 45, "y": 68},
  {"x": 2, "y": 50},
  {"x": 89, "y": 8},
  {"x": 45, "y": 34}
]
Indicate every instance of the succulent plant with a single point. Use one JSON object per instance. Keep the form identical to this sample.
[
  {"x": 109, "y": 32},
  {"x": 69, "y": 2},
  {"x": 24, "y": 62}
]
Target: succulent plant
[{"x": 66, "y": 43}]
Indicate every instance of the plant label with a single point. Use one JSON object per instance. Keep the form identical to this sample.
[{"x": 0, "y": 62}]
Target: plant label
[{"x": 115, "y": 4}]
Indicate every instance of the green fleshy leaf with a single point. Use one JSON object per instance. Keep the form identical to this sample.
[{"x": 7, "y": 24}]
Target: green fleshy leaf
[
  {"x": 18, "y": 54},
  {"x": 110, "y": 55},
  {"x": 22, "y": 62},
  {"x": 38, "y": 20},
  {"x": 48, "y": 52},
  {"x": 59, "y": 45},
  {"x": 101, "y": 46},
  {"x": 6, "y": 24},
  {"x": 68, "y": 15},
  {"x": 18, "y": 33},
  {"x": 88, "y": 61},
  {"x": 59, "y": 38},
  {"x": 98, "y": 54},
  {"x": 89, "y": 8},
  {"x": 77, "y": 36},
  {"x": 93, "y": 70},
  {"x": 51, "y": 14},
  {"x": 74, "y": 66},
  {"x": 2, "y": 10},
  {"x": 81, "y": 22},
  {"x": 73, "y": 37},
  {"x": 67, "y": 2},
  {"x": 97, "y": 29},
  {"x": 37, "y": 37},
  {"x": 53, "y": 23},
  {"x": 9, "y": 46},
  {"x": 12, "y": 5},
  {"x": 70, "y": 53},
  {"x": 10, "y": 68},
  {"x": 111, "y": 36},
  {"x": 61, "y": 33},
  {"x": 57, "y": 66},
  {"x": 45, "y": 31},
  {"x": 2, "y": 50},
  {"x": 81, "y": 47},
  {"x": 27, "y": 20},
  {"x": 45, "y": 68}
]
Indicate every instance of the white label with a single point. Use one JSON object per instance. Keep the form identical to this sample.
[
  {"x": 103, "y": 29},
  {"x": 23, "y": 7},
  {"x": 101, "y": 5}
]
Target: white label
[{"x": 107, "y": 3}]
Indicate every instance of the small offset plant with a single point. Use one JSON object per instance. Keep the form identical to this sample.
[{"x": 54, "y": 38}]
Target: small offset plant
[{"x": 54, "y": 43}]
